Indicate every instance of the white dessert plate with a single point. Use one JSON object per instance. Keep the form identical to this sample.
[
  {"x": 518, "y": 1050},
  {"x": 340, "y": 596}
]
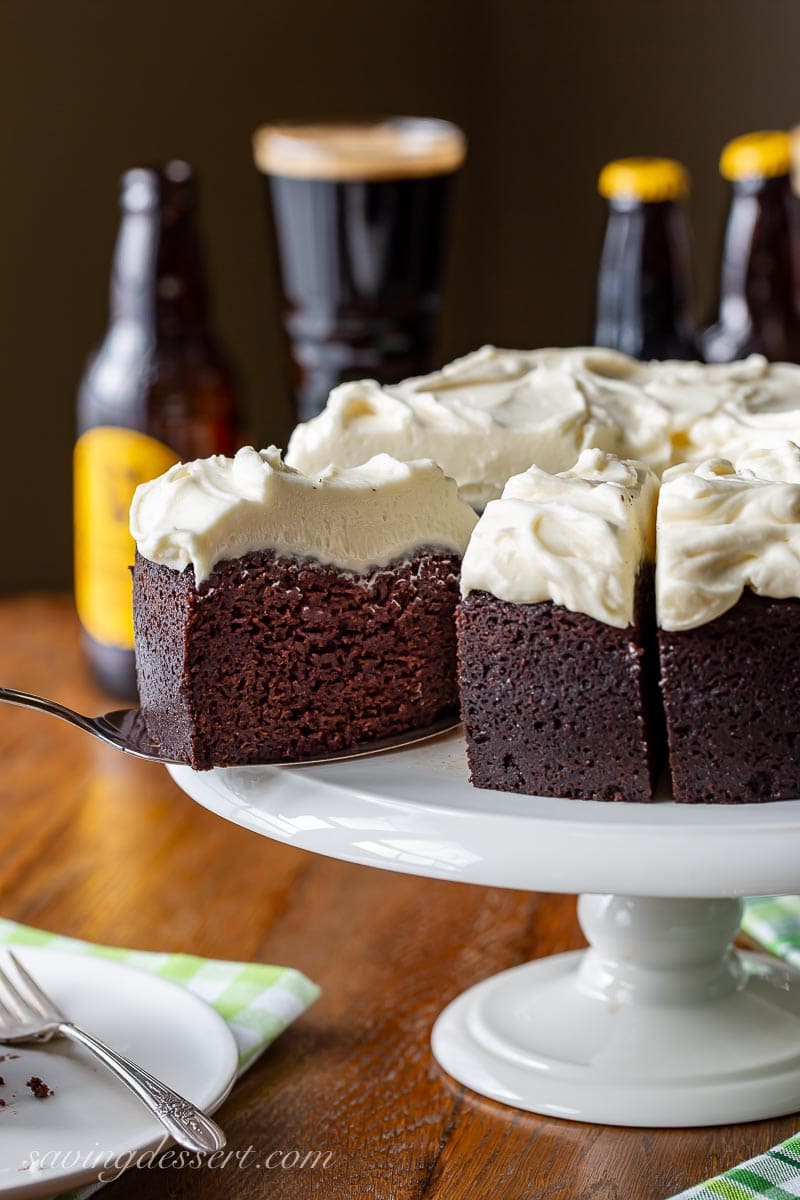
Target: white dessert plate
[
  {"x": 660, "y": 1022},
  {"x": 92, "y": 1123}
]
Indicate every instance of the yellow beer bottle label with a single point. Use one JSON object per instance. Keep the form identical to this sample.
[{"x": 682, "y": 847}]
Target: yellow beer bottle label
[{"x": 109, "y": 465}]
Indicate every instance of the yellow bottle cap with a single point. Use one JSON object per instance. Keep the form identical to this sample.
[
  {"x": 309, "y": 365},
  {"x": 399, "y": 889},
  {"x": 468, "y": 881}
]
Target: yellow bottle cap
[
  {"x": 647, "y": 179},
  {"x": 760, "y": 155}
]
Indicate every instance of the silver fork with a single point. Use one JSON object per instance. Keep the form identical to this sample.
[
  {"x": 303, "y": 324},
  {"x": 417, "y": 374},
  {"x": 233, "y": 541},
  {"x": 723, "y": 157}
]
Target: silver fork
[{"x": 28, "y": 1015}]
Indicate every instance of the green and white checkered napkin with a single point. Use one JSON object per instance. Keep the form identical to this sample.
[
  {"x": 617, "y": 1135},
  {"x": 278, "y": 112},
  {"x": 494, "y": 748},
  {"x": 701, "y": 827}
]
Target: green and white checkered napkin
[
  {"x": 774, "y": 922},
  {"x": 256, "y": 1001},
  {"x": 771, "y": 1176}
]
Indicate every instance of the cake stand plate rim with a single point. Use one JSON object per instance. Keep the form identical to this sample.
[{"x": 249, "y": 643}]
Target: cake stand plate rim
[{"x": 414, "y": 811}]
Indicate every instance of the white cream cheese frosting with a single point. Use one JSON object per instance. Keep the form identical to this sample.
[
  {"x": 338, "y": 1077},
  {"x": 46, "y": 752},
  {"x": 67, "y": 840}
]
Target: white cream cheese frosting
[
  {"x": 203, "y": 512},
  {"x": 723, "y": 527},
  {"x": 577, "y": 538},
  {"x": 722, "y": 410},
  {"x": 491, "y": 415}
]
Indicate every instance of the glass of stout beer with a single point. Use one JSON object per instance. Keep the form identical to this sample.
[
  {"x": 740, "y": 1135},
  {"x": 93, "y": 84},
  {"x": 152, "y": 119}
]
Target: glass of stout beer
[{"x": 359, "y": 212}]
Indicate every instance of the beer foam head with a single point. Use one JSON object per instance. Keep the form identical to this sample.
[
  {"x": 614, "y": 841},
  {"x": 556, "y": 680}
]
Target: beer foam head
[{"x": 396, "y": 148}]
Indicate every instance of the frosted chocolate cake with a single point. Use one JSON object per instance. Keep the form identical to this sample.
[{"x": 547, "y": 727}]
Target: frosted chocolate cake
[
  {"x": 728, "y": 601},
  {"x": 556, "y": 639},
  {"x": 279, "y": 615}
]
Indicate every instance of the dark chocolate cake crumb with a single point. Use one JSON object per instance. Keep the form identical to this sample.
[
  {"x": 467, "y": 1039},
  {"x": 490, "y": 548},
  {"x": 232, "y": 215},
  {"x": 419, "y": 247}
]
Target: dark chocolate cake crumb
[
  {"x": 281, "y": 658},
  {"x": 2, "y": 1102},
  {"x": 732, "y": 698},
  {"x": 39, "y": 1088},
  {"x": 2, "y": 1081},
  {"x": 556, "y": 703}
]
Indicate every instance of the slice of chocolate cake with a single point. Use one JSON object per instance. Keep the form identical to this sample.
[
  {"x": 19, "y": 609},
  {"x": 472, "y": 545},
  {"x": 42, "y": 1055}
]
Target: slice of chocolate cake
[
  {"x": 728, "y": 599},
  {"x": 279, "y": 616},
  {"x": 556, "y": 637}
]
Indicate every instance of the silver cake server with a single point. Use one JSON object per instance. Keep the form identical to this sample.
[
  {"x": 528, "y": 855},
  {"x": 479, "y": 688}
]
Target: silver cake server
[{"x": 125, "y": 730}]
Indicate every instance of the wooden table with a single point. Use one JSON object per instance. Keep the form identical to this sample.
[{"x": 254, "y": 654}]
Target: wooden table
[{"x": 102, "y": 847}]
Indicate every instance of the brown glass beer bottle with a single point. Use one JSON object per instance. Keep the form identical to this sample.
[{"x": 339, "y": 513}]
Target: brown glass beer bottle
[
  {"x": 160, "y": 388},
  {"x": 757, "y": 310},
  {"x": 645, "y": 279}
]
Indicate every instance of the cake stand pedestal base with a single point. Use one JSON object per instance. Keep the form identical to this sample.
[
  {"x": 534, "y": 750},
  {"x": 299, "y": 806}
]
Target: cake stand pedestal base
[{"x": 661, "y": 1022}]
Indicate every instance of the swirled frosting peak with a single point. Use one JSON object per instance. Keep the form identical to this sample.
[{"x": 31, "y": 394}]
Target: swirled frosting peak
[
  {"x": 724, "y": 527},
  {"x": 723, "y": 409},
  {"x": 490, "y": 415},
  {"x": 577, "y": 538},
  {"x": 217, "y": 508}
]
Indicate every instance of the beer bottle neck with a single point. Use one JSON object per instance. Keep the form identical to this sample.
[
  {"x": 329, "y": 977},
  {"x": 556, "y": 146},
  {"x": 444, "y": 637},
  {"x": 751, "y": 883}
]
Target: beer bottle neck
[
  {"x": 158, "y": 280},
  {"x": 757, "y": 278},
  {"x": 644, "y": 283}
]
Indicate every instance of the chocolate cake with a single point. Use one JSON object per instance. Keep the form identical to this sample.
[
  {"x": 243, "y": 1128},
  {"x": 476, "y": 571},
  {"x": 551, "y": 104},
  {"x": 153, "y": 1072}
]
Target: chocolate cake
[
  {"x": 268, "y": 624},
  {"x": 556, "y": 639},
  {"x": 280, "y": 616},
  {"x": 273, "y": 657},
  {"x": 732, "y": 699},
  {"x": 728, "y": 588},
  {"x": 556, "y": 703}
]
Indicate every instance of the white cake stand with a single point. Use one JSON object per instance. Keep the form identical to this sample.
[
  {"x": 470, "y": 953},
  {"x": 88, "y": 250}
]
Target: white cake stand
[{"x": 660, "y": 1022}]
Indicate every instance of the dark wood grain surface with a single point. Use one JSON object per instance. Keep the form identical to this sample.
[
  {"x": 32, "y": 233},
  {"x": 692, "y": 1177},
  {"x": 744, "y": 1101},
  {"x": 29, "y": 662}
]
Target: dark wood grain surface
[{"x": 98, "y": 846}]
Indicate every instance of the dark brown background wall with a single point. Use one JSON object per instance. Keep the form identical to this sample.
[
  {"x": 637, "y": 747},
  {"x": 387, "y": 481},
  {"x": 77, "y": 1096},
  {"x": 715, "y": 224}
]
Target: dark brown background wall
[{"x": 547, "y": 90}]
